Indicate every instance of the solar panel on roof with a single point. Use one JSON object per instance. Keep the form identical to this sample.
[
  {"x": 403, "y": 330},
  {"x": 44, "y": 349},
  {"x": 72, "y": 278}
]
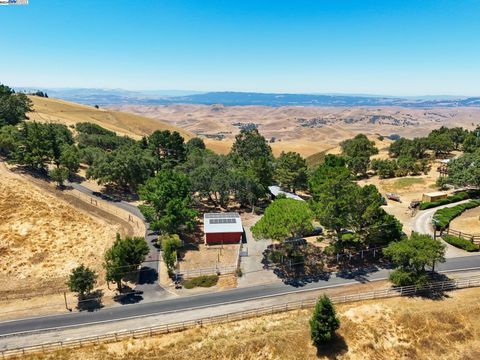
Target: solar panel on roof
[
  {"x": 222, "y": 216},
  {"x": 223, "y": 221}
]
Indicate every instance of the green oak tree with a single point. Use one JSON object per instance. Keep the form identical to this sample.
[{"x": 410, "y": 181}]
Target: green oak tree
[
  {"x": 168, "y": 202},
  {"x": 127, "y": 167},
  {"x": 13, "y": 107},
  {"x": 59, "y": 175},
  {"x": 124, "y": 258},
  {"x": 412, "y": 256},
  {"x": 82, "y": 280}
]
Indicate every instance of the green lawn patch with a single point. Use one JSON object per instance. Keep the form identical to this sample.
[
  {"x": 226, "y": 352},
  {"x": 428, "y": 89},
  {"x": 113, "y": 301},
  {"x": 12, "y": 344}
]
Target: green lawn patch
[
  {"x": 461, "y": 243},
  {"x": 403, "y": 183},
  {"x": 451, "y": 199},
  {"x": 444, "y": 216},
  {"x": 201, "y": 281}
]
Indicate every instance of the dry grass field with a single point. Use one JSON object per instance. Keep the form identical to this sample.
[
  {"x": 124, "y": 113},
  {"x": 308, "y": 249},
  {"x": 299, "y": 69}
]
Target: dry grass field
[
  {"x": 397, "y": 328},
  {"x": 468, "y": 222},
  {"x": 68, "y": 113},
  {"x": 307, "y": 130},
  {"x": 43, "y": 237}
]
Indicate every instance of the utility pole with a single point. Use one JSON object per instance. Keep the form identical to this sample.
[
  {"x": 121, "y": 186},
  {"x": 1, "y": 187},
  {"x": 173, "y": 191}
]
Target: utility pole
[{"x": 66, "y": 304}]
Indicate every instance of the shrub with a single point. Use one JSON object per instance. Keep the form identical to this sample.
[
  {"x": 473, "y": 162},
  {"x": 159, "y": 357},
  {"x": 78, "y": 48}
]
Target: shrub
[
  {"x": 451, "y": 199},
  {"x": 442, "y": 217},
  {"x": 461, "y": 243},
  {"x": 201, "y": 281},
  {"x": 170, "y": 244},
  {"x": 401, "y": 277}
]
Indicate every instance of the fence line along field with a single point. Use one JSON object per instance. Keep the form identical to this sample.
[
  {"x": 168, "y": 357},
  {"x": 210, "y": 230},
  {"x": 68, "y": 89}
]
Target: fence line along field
[
  {"x": 43, "y": 237},
  {"x": 395, "y": 328}
]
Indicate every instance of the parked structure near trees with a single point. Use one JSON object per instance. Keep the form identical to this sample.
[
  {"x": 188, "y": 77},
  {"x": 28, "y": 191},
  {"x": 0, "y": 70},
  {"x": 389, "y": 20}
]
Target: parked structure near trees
[{"x": 434, "y": 196}]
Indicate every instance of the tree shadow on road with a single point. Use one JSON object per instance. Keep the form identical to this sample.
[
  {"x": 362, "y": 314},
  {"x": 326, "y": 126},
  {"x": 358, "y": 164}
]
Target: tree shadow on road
[
  {"x": 91, "y": 302},
  {"x": 132, "y": 297}
]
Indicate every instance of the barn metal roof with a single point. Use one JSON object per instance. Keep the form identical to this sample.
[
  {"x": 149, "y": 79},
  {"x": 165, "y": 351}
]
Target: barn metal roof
[
  {"x": 222, "y": 223},
  {"x": 275, "y": 191}
]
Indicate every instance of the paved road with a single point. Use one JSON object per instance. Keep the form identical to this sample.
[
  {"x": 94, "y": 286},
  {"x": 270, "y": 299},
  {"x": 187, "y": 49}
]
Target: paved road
[
  {"x": 148, "y": 282},
  {"x": 206, "y": 300},
  {"x": 422, "y": 223}
]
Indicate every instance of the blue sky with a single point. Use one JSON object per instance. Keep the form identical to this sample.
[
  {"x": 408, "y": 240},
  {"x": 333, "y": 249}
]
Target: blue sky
[{"x": 395, "y": 47}]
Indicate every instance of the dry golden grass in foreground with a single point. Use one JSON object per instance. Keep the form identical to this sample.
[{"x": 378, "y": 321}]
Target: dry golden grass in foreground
[
  {"x": 397, "y": 328},
  {"x": 42, "y": 237}
]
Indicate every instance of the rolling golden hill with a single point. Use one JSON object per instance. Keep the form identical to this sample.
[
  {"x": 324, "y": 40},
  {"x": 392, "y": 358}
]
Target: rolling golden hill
[
  {"x": 68, "y": 113},
  {"x": 136, "y": 126}
]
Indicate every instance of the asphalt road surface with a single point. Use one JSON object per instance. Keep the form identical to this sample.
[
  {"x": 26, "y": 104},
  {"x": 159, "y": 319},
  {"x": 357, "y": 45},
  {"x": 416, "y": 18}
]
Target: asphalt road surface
[{"x": 207, "y": 300}]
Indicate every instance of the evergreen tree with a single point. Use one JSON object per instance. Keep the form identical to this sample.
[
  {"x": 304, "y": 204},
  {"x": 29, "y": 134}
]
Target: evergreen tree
[
  {"x": 284, "y": 218},
  {"x": 291, "y": 171},
  {"x": 168, "y": 149},
  {"x": 253, "y": 160},
  {"x": 324, "y": 322}
]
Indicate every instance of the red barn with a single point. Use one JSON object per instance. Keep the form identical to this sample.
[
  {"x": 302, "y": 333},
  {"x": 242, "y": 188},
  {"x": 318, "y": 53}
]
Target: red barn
[{"x": 222, "y": 228}]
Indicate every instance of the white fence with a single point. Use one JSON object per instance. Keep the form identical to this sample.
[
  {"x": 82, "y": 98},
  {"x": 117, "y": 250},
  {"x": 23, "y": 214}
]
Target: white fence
[
  {"x": 295, "y": 305},
  {"x": 217, "y": 270}
]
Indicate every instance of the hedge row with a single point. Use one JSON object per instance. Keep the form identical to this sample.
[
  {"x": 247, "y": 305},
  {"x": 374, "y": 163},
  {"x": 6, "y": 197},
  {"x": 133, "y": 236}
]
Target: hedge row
[
  {"x": 442, "y": 217},
  {"x": 451, "y": 199},
  {"x": 461, "y": 243}
]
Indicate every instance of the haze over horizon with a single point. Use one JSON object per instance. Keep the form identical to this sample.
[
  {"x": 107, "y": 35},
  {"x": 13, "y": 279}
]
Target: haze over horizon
[{"x": 394, "y": 48}]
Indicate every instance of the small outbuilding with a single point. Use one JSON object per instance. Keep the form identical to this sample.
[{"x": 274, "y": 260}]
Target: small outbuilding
[
  {"x": 222, "y": 228},
  {"x": 276, "y": 190},
  {"x": 434, "y": 196}
]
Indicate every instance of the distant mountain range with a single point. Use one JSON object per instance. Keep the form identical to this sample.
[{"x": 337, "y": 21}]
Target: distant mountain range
[{"x": 105, "y": 97}]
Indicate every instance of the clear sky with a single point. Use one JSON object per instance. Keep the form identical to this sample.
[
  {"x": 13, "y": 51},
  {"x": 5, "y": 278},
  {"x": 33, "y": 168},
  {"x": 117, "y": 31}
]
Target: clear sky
[{"x": 395, "y": 47}]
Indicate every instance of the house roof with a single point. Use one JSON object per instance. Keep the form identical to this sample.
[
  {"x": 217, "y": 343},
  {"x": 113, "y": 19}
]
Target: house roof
[
  {"x": 275, "y": 191},
  {"x": 435, "y": 194},
  {"x": 222, "y": 223}
]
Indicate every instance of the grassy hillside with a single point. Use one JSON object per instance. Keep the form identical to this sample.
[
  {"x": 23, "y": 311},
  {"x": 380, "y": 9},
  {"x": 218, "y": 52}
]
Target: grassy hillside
[{"x": 59, "y": 111}]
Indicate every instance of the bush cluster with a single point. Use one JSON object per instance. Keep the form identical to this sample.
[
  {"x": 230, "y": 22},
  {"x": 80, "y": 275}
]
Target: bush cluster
[
  {"x": 201, "y": 281},
  {"x": 461, "y": 243},
  {"x": 444, "y": 216},
  {"x": 451, "y": 199}
]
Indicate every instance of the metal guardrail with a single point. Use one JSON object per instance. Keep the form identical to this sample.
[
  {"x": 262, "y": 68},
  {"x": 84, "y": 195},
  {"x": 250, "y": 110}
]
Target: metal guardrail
[{"x": 241, "y": 315}]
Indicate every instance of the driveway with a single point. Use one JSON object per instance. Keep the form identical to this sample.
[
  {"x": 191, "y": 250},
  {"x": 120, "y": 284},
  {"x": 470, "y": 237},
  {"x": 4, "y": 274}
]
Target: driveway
[
  {"x": 253, "y": 272},
  {"x": 422, "y": 223}
]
